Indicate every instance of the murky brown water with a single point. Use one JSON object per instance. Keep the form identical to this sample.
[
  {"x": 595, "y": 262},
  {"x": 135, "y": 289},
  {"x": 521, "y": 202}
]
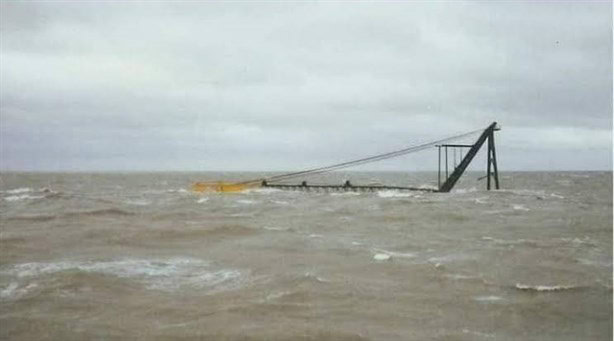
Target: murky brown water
[{"x": 137, "y": 256}]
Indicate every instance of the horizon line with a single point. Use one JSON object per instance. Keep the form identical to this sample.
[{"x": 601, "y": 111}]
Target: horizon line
[{"x": 278, "y": 171}]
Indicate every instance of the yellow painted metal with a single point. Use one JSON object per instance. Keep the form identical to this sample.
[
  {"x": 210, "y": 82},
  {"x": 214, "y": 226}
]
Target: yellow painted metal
[{"x": 225, "y": 187}]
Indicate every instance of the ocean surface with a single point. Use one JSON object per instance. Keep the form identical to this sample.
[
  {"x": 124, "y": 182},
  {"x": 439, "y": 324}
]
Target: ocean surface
[{"x": 138, "y": 256}]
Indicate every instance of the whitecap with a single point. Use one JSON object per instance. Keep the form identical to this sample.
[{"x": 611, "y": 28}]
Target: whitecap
[
  {"x": 396, "y": 254},
  {"x": 23, "y": 197},
  {"x": 465, "y": 190},
  {"x": 585, "y": 176},
  {"x": 274, "y": 228},
  {"x": 381, "y": 256},
  {"x": 202, "y": 200},
  {"x": 246, "y": 202},
  {"x": 19, "y": 190},
  {"x": 488, "y": 298},
  {"x": 428, "y": 186},
  {"x": 178, "y": 190},
  {"x": 162, "y": 274},
  {"x": 280, "y": 202},
  {"x": 121, "y": 268},
  {"x": 605, "y": 264},
  {"x": 344, "y": 194},
  {"x": 314, "y": 235},
  {"x": 276, "y": 295},
  {"x": 520, "y": 208},
  {"x": 201, "y": 279},
  {"x": 529, "y": 242},
  {"x": 262, "y": 190},
  {"x": 14, "y": 292},
  {"x": 9, "y": 291},
  {"x": 393, "y": 194},
  {"x": 577, "y": 241},
  {"x": 317, "y": 278},
  {"x": 527, "y": 287}
]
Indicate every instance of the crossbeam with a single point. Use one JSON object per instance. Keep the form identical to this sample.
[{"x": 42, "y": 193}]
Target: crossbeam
[{"x": 455, "y": 145}]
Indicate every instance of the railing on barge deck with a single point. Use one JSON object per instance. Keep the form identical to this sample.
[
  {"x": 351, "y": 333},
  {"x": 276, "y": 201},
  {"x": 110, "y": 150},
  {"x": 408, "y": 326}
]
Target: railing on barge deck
[{"x": 347, "y": 187}]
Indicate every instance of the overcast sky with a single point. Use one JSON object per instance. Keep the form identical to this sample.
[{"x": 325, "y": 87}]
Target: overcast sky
[{"x": 282, "y": 86}]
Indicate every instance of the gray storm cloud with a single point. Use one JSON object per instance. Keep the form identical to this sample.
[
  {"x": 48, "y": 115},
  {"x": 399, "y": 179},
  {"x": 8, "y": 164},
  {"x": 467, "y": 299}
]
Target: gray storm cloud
[{"x": 278, "y": 86}]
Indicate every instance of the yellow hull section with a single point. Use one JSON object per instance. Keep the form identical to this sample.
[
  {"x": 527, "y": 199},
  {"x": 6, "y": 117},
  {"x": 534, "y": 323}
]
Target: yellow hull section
[{"x": 224, "y": 187}]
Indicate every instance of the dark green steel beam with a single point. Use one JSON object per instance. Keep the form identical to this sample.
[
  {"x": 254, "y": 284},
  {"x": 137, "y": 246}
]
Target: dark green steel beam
[{"x": 458, "y": 171}]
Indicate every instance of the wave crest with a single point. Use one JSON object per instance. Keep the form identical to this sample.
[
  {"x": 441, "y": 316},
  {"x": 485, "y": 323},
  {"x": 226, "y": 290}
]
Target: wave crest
[
  {"x": 545, "y": 288},
  {"x": 161, "y": 274}
]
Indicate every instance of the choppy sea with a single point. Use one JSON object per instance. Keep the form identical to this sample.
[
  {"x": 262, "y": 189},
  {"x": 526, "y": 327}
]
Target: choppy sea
[{"x": 138, "y": 256}]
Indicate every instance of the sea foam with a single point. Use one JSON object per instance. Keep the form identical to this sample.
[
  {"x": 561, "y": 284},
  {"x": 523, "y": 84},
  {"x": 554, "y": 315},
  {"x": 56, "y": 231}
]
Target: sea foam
[
  {"x": 381, "y": 256},
  {"x": 527, "y": 287},
  {"x": 162, "y": 274},
  {"x": 19, "y": 190},
  {"x": 395, "y": 254},
  {"x": 393, "y": 194},
  {"x": 488, "y": 298},
  {"x": 14, "y": 292},
  {"x": 23, "y": 197}
]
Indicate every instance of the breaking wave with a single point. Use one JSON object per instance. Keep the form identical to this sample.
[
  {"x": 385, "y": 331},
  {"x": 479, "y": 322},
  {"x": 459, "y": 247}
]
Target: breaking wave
[
  {"x": 344, "y": 194},
  {"x": 23, "y": 197},
  {"x": 544, "y": 288},
  {"x": 393, "y": 194},
  {"x": 490, "y": 298},
  {"x": 161, "y": 274},
  {"x": 19, "y": 190},
  {"x": 90, "y": 213},
  {"x": 262, "y": 190},
  {"x": 395, "y": 254},
  {"x": 27, "y": 193}
]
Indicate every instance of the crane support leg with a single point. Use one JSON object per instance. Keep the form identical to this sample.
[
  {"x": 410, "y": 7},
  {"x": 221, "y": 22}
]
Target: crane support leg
[
  {"x": 494, "y": 161},
  {"x": 489, "y": 162}
]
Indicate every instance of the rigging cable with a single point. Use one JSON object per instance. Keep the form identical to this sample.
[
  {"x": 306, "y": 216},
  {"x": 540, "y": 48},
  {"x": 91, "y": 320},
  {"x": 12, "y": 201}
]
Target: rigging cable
[{"x": 374, "y": 158}]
